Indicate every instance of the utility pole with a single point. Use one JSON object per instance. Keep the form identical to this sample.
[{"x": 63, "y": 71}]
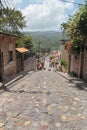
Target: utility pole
[
  {"x": 39, "y": 51},
  {"x": 39, "y": 46}
]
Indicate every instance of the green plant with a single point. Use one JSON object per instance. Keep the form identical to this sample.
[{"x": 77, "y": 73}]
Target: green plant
[
  {"x": 63, "y": 63},
  {"x": 73, "y": 74}
]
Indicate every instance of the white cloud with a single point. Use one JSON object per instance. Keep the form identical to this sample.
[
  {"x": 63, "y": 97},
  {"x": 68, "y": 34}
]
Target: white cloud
[{"x": 45, "y": 14}]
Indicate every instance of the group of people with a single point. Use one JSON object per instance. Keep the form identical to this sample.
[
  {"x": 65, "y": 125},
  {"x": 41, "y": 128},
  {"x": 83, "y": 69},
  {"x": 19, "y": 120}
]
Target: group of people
[
  {"x": 57, "y": 66},
  {"x": 40, "y": 65}
]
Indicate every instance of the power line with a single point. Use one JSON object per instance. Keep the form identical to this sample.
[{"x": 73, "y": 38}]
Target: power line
[
  {"x": 11, "y": 22},
  {"x": 72, "y": 2},
  {"x": 7, "y": 3}
]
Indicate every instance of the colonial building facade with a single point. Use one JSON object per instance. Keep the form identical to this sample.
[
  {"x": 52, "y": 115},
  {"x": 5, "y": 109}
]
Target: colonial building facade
[
  {"x": 7, "y": 55},
  {"x": 77, "y": 63}
]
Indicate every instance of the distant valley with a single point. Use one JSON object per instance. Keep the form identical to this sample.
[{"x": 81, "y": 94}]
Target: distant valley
[{"x": 50, "y": 39}]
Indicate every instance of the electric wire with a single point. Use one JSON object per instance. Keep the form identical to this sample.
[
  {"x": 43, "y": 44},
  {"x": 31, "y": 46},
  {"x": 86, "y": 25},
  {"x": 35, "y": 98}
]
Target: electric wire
[
  {"x": 11, "y": 22},
  {"x": 72, "y": 2},
  {"x": 7, "y": 4}
]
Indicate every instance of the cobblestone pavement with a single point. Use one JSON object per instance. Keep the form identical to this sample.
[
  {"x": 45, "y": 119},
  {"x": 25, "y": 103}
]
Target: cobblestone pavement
[{"x": 43, "y": 100}]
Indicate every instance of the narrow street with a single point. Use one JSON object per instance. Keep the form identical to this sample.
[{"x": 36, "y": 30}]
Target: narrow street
[
  {"x": 43, "y": 100},
  {"x": 43, "y": 65}
]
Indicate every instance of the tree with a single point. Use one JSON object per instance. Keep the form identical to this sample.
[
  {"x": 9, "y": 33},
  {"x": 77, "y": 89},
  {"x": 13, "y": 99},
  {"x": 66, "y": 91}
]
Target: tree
[
  {"x": 25, "y": 41},
  {"x": 20, "y": 42},
  {"x": 76, "y": 28},
  {"x": 28, "y": 42},
  {"x": 9, "y": 16}
]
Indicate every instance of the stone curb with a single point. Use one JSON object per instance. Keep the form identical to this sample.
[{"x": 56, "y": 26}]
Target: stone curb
[
  {"x": 1, "y": 86},
  {"x": 64, "y": 76},
  {"x": 16, "y": 78},
  {"x": 82, "y": 85},
  {"x": 12, "y": 81},
  {"x": 4, "y": 85}
]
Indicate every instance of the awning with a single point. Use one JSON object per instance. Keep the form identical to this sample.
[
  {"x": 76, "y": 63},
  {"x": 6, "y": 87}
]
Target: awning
[{"x": 22, "y": 50}]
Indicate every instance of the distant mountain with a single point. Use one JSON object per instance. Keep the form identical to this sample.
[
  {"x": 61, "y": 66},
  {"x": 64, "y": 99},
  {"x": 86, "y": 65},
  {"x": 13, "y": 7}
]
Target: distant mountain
[{"x": 49, "y": 39}]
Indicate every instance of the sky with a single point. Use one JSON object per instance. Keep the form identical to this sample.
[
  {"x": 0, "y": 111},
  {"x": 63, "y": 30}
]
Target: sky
[{"x": 45, "y": 15}]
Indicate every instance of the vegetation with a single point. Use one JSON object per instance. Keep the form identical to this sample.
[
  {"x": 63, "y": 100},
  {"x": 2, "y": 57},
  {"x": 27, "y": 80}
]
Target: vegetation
[
  {"x": 63, "y": 63},
  {"x": 76, "y": 29},
  {"x": 45, "y": 41},
  {"x": 73, "y": 74},
  {"x": 13, "y": 17},
  {"x": 26, "y": 42}
]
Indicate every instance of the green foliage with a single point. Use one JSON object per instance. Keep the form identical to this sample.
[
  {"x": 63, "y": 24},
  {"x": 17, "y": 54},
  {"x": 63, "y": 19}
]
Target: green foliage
[
  {"x": 45, "y": 50},
  {"x": 75, "y": 49},
  {"x": 76, "y": 27},
  {"x": 51, "y": 57},
  {"x": 26, "y": 42},
  {"x": 63, "y": 63},
  {"x": 49, "y": 40},
  {"x": 20, "y": 42},
  {"x": 73, "y": 74},
  {"x": 15, "y": 18}
]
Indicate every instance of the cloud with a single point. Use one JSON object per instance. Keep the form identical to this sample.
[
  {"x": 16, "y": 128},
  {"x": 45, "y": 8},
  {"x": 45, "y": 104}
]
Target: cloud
[
  {"x": 42, "y": 15},
  {"x": 46, "y": 16}
]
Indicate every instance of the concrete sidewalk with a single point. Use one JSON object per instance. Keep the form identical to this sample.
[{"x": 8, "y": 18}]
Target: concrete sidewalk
[{"x": 77, "y": 81}]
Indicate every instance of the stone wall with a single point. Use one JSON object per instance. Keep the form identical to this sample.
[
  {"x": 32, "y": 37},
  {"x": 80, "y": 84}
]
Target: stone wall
[
  {"x": 64, "y": 53},
  {"x": 85, "y": 64},
  {"x": 19, "y": 62},
  {"x": 79, "y": 64},
  {"x": 8, "y": 44},
  {"x": 30, "y": 64},
  {"x": 74, "y": 64}
]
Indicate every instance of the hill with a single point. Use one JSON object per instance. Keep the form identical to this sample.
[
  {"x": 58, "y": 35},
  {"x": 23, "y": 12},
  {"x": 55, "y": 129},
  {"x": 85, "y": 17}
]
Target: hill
[{"x": 49, "y": 39}]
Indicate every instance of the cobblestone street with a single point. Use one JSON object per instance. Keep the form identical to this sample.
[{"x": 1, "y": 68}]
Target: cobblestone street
[{"x": 43, "y": 100}]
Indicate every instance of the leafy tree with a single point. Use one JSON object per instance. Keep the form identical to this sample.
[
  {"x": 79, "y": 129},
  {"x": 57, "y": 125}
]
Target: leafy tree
[
  {"x": 20, "y": 42},
  {"x": 28, "y": 42},
  {"x": 10, "y": 16},
  {"x": 25, "y": 41},
  {"x": 45, "y": 50},
  {"x": 76, "y": 28}
]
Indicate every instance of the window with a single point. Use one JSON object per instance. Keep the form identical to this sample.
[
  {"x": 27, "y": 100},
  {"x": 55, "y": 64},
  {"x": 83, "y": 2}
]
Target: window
[{"x": 10, "y": 56}]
